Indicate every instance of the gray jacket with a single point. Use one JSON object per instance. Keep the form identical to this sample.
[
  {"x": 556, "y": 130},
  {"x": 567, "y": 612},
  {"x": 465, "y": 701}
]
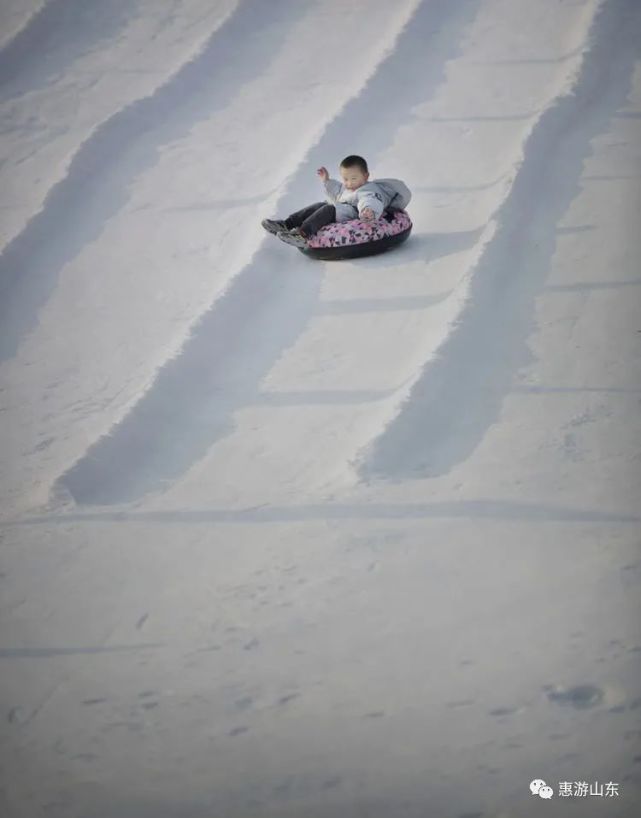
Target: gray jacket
[{"x": 379, "y": 195}]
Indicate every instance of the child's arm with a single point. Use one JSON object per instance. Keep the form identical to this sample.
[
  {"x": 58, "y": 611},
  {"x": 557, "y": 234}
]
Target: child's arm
[
  {"x": 332, "y": 187},
  {"x": 370, "y": 204}
]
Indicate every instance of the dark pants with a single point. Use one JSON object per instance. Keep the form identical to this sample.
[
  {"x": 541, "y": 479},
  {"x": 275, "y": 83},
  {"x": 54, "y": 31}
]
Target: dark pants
[{"x": 311, "y": 218}]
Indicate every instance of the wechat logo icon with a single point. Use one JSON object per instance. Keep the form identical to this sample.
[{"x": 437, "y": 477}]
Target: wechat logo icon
[{"x": 540, "y": 788}]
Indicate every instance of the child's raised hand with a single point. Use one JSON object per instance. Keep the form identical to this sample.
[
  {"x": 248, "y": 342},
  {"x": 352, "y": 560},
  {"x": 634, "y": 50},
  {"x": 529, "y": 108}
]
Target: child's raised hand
[
  {"x": 368, "y": 214},
  {"x": 323, "y": 173}
]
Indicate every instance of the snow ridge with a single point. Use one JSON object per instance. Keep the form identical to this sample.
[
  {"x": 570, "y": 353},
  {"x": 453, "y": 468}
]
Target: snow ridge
[{"x": 459, "y": 392}]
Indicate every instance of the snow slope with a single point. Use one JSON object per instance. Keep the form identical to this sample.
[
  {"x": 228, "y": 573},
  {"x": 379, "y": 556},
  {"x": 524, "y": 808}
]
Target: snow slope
[{"x": 286, "y": 538}]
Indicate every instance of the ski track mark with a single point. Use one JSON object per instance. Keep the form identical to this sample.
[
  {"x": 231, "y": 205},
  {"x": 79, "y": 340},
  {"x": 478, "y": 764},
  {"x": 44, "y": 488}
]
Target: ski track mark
[
  {"x": 459, "y": 393},
  {"x": 190, "y": 404}
]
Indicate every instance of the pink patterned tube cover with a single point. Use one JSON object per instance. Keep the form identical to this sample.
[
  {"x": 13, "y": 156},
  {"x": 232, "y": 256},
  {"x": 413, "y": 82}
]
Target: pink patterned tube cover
[{"x": 358, "y": 231}]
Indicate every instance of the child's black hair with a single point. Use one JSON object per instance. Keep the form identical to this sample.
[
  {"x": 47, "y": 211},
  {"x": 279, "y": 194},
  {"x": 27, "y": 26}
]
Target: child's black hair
[{"x": 354, "y": 161}]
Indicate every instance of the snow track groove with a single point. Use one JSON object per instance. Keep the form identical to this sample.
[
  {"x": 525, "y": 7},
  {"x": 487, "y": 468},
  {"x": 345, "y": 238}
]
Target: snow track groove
[
  {"x": 53, "y": 38},
  {"x": 459, "y": 393},
  {"x": 97, "y": 182},
  {"x": 192, "y": 399},
  {"x": 190, "y": 404},
  {"x": 423, "y": 48}
]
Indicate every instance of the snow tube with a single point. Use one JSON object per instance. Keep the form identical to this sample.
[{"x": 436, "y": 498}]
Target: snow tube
[{"x": 357, "y": 238}]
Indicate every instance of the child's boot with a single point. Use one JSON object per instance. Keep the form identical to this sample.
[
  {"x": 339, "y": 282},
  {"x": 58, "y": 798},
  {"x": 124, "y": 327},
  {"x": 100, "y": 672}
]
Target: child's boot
[
  {"x": 273, "y": 225},
  {"x": 294, "y": 237}
]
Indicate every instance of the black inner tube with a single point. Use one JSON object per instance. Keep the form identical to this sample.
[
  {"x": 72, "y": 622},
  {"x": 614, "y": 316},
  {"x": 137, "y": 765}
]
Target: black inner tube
[{"x": 367, "y": 248}]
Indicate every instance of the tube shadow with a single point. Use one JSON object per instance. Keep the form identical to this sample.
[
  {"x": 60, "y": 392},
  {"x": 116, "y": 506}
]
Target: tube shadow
[{"x": 424, "y": 247}]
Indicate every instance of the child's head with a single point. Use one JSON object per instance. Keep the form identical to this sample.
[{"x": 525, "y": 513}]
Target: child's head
[{"x": 354, "y": 172}]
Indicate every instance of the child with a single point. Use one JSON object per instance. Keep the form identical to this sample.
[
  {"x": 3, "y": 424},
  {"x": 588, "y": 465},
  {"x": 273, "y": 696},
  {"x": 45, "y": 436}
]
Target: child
[{"x": 355, "y": 198}]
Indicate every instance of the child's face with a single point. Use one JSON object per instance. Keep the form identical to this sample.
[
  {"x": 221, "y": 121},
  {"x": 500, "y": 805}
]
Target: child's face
[{"x": 353, "y": 178}]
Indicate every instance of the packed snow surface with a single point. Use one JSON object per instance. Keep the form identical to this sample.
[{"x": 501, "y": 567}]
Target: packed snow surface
[{"x": 283, "y": 538}]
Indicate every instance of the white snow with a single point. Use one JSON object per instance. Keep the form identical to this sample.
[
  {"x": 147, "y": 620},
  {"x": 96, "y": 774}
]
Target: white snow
[{"x": 290, "y": 538}]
